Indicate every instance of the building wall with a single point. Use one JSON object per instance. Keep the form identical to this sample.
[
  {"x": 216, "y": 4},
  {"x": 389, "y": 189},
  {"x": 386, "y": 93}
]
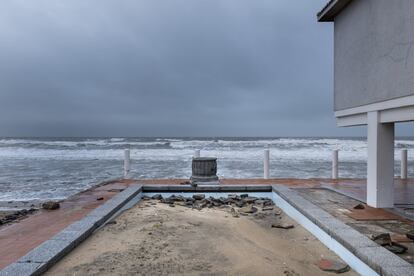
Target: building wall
[{"x": 374, "y": 52}]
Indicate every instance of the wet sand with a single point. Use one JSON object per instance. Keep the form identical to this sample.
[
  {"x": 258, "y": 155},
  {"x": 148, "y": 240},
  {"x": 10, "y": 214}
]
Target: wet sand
[{"x": 155, "y": 239}]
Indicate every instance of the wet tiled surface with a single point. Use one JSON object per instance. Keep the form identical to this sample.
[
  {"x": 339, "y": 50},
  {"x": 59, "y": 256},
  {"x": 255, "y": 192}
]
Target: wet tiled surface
[
  {"x": 19, "y": 238},
  {"x": 368, "y": 221}
]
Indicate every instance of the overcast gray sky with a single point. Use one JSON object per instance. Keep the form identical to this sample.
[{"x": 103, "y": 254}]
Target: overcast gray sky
[{"x": 166, "y": 68}]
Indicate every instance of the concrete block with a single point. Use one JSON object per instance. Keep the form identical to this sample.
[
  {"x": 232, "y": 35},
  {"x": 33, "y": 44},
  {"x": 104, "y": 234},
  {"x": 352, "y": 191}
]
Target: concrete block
[
  {"x": 233, "y": 189},
  {"x": 21, "y": 269},
  {"x": 379, "y": 259},
  {"x": 255, "y": 188},
  {"x": 352, "y": 239},
  {"x": 280, "y": 188},
  {"x": 48, "y": 252},
  {"x": 407, "y": 270},
  {"x": 66, "y": 235}
]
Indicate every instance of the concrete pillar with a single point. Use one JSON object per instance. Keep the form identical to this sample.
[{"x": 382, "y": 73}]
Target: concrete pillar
[
  {"x": 404, "y": 173},
  {"x": 196, "y": 153},
  {"x": 266, "y": 163},
  {"x": 127, "y": 163},
  {"x": 380, "y": 172},
  {"x": 335, "y": 164}
]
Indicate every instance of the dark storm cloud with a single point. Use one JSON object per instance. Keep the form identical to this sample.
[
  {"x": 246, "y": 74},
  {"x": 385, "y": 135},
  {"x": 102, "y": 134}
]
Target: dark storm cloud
[{"x": 171, "y": 68}]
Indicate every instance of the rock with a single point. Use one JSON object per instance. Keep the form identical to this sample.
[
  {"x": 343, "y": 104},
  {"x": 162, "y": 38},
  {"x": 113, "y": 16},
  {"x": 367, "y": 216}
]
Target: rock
[
  {"x": 234, "y": 213},
  {"x": 146, "y": 198},
  {"x": 250, "y": 209},
  {"x": 282, "y": 225},
  {"x": 249, "y": 199},
  {"x": 51, "y": 205},
  {"x": 332, "y": 266},
  {"x": 233, "y": 197},
  {"x": 396, "y": 248},
  {"x": 268, "y": 202},
  {"x": 157, "y": 197},
  {"x": 410, "y": 235},
  {"x": 100, "y": 198},
  {"x": 244, "y": 195},
  {"x": 382, "y": 239},
  {"x": 199, "y": 196},
  {"x": 172, "y": 205},
  {"x": 267, "y": 208},
  {"x": 260, "y": 215},
  {"x": 359, "y": 206}
]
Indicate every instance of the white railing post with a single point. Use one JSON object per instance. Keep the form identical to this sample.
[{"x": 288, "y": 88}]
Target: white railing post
[
  {"x": 335, "y": 164},
  {"x": 404, "y": 173},
  {"x": 266, "y": 162},
  {"x": 127, "y": 163},
  {"x": 196, "y": 153}
]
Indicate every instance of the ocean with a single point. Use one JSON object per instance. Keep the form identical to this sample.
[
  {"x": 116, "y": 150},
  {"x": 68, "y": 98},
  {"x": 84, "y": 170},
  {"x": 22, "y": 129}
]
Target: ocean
[{"x": 55, "y": 168}]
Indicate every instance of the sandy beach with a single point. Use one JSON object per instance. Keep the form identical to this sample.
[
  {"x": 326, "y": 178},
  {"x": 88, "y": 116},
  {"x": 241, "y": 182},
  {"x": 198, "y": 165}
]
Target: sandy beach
[{"x": 154, "y": 238}]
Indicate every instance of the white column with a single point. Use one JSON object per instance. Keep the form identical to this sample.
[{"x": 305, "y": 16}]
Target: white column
[
  {"x": 266, "y": 162},
  {"x": 380, "y": 172},
  {"x": 196, "y": 153},
  {"x": 404, "y": 173},
  {"x": 127, "y": 163},
  {"x": 335, "y": 164}
]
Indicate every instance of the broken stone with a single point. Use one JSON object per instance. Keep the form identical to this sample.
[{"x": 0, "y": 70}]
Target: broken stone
[
  {"x": 282, "y": 225},
  {"x": 382, "y": 239},
  {"x": 234, "y": 213},
  {"x": 100, "y": 198},
  {"x": 239, "y": 204},
  {"x": 250, "y": 209},
  {"x": 233, "y": 197},
  {"x": 51, "y": 205},
  {"x": 249, "y": 199},
  {"x": 157, "y": 197},
  {"x": 268, "y": 202},
  {"x": 260, "y": 215},
  {"x": 410, "y": 235},
  {"x": 396, "y": 248},
  {"x": 359, "y": 206},
  {"x": 172, "y": 205},
  {"x": 244, "y": 195},
  {"x": 199, "y": 196},
  {"x": 278, "y": 212},
  {"x": 332, "y": 266},
  {"x": 267, "y": 208}
]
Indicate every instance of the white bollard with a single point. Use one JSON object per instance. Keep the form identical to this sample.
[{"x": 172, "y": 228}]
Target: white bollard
[
  {"x": 127, "y": 163},
  {"x": 404, "y": 173},
  {"x": 335, "y": 164},
  {"x": 196, "y": 153},
  {"x": 266, "y": 162}
]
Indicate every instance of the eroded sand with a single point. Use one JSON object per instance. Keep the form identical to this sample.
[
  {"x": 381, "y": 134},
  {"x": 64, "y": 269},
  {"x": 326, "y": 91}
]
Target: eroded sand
[{"x": 156, "y": 239}]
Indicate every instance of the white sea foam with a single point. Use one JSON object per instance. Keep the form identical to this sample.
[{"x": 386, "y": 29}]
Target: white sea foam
[{"x": 46, "y": 168}]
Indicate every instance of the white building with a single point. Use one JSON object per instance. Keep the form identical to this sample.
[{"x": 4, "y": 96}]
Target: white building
[{"x": 374, "y": 79}]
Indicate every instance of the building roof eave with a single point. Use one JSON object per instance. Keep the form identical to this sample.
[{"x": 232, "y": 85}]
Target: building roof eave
[{"x": 332, "y": 9}]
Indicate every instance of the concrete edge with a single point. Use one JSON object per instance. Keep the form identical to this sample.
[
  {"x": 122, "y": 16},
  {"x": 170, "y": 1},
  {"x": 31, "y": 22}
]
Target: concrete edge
[
  {"x": 206, "y": 188},
  {"x": 41, "y": 258},
  {"x": 376, "y": 257}
]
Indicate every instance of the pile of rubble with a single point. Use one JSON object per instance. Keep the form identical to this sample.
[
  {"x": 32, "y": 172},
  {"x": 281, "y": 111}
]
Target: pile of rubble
[
  {"x": 16, "y": 216},
  {"x": 240, "y": 204}
]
